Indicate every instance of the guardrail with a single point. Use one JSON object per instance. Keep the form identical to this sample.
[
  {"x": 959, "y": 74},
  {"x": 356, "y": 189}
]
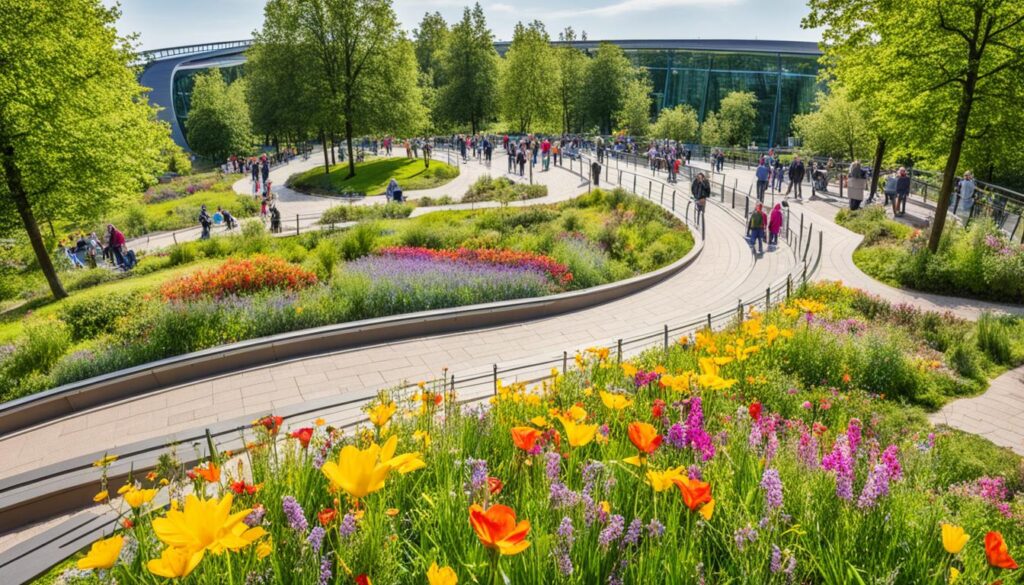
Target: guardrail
[
  {"x": 144, "y": 57},
  {"x": 73, "y": 482}
]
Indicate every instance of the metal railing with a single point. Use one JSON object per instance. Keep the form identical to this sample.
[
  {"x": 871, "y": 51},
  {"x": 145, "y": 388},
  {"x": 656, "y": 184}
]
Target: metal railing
[{"x": 146, "y": 57}]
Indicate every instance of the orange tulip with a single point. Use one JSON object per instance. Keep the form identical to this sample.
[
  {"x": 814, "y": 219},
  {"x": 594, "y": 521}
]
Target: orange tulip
[
  {"x": 497, "y": 529},
  {"x": 210, "y": 472},
  {"x": 997, "y": 552},
  {"x": 695, "y": 493},
  {"x": 644, "y": 436},
  {"x": 525, "y": 437}
]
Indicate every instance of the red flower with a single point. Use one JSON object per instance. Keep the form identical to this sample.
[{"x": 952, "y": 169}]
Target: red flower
[
  {"x": 271, "y": 423},
  {"x": 658, "y": 410},
  {"x": 303, "y": 435},
  {"x": 240, "y": 487},
  {"x": 327, "y": 516},
  {"x": 997, "y": 552},
  {"x": 363, "y": 579},
  {"x": 755, "y": 410},
  {"x": 127, "y": 523},
  {"x": 494, "y": 485}
]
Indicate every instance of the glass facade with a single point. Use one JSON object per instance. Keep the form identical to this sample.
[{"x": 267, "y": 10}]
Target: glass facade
[
  {"x": 784, "y": 84},
  {"x": 185, "y": 80}
]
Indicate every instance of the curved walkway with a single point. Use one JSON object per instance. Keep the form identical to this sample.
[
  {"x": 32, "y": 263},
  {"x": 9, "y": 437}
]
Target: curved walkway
[{"x": 724, "y": 271}]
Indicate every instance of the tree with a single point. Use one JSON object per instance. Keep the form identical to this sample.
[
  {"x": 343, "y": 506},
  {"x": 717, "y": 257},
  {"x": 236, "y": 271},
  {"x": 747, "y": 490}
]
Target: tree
[
  {"x": 529, "y": 79},
  {"x": 470, "y": 70},
  {"x": 608, "y": 76},
  {"x": 76, "y": 130},
  {"x": 678, "y": 123},
  {"x": 431, "y": 41},
  {"x": 635, "y": 114},
  {"x": 737, "y": 113},
  {"x": 932, "y": 65},
  {"x": 712, "y": 131},
  {"x": 838, "y": 126},
  {"x": 218, "y": 123},
  {"x": 572, "y": 73}
]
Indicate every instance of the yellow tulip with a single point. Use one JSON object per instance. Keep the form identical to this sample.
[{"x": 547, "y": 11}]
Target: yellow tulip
[
  {"x": 136, "y": 498},
  {"x": 380, "y": 415},
  {"x": 576, "y": 413},
  {"x": 615, "y": 401},
  {"x": 360, "y": 472},
  {"x": 441, "y": 575},
  {"x": 679, "y": 383},
  {"x": 175, "y": 562},
  {"x": 101, "y": 496},
  {"x": 264, "y": 549},
  {"x": 102, "y": 554},
  {"x": 709, "y": 377},
  {"x": 125, "y": 489},
  {"x": 954, "y": 574},
  {"x": 206, "y": 525},
  {"x": 628, "y": 369},
  {"x": 578, "y": 434},
  {"x": 752, "y": 328},
  {"x": 663, "y": 480},
  {"x": 953, "y": 538},
  {"x": 407, "y": 463},
  {"x": 539, "y": 421}
]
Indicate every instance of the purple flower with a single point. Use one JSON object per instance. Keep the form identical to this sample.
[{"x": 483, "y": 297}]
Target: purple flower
[
  {"x": 876, "y": 486},
  {"x": 611, "y": 532},
  {"x": 853, "y": 434},
  {"x": 634, "y": 532},
  {"x": 694, "y": 472},
  {"x": 677, "y": 436},
  {"x": 840, "y": 461},
  {"x": 744, "y": 536},
  {"x": 255, "y": 518},
  {"x": 592, "y": 471},
  {"x": 325, "y": 570},
  {"x": 477, "y": 484},
  {"x": 696, "y": 436},
  {"x": 771, "y": 483},
  {"x": 316, "y": 539},
  {"x": 552, "y": 464},
  {"x": 807, "y": 450},
  {"x": 776, "y": 563},
  {"x": 348, "y": 526},
  {"x": 561, "y": 496},
  {"x": 891, "y": 459},
  {"x": 294, "y": 514},
  {"x": 563, "y": 546}
]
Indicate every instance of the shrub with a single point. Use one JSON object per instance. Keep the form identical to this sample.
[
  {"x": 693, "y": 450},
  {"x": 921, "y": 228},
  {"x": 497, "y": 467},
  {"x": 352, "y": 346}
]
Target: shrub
[
  {"x": 358, "y": 241},
  {"x": 90, "y": 317},
  {"x": 502, "y": 189},
  {"x": 434, "y": 202},
  {"x": 41, "y": 346},
  {"x": 183, "y": 254},
  {"x": 255, "y": 238},
  {"x": 327, "y": 256},
  {"x": 83, "y": 279},
  {"x": 993, "y": 338},
  {"x": 239, "y": 276},
  {"x": 347, "y": 213}
]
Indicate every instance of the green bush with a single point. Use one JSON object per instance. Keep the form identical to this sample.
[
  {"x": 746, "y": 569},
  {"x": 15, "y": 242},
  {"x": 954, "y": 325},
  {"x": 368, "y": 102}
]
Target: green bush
[
  {"x": 993, "y": 338},
  {"x": 872, "y": 223},
  {"x": 502, "y": 189},
  {"x": 92, "y": 316},
  {"x": 83, "y": 279},
  {"x": 183, "y": 254},
  {"x": 41, "y": 346},
  {"x": 327, "y": 256},
  {"x": 962, "y": 457},
  {"x": 358, "y": 241},
  {"x": 255, "y": 238},
  {"x": 347, "y": 213},
  {"x": 434, "y": 202}
]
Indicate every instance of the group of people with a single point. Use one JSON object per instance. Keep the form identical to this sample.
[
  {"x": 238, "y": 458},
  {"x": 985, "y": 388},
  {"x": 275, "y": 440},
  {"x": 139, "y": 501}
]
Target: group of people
[{"x": 89, "y": 250}]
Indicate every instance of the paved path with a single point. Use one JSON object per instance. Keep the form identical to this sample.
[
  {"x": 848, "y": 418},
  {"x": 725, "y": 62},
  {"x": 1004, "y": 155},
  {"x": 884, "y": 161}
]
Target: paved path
[
  {"x": 997, "y": 415},
  {"x": 725, "y": 271}
]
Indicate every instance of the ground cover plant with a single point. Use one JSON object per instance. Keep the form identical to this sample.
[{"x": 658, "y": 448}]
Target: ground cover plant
[
  {"x": 203, "y": 294},
  {"x": 977, "y": 262},
  {"x": 373, "y": 175},
  {"x": 502, "y": 189},
  {"x": 720, "y": 459}
]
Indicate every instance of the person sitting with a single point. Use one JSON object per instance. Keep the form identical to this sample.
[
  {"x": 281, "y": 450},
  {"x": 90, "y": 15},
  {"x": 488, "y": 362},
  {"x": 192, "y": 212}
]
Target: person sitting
[{"x": 394, "y": 192}]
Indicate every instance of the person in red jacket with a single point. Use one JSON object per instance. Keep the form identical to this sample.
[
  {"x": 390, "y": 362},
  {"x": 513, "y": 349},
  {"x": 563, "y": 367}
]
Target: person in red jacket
[
  {"x": 774, "y": 226},
  {"x": 115, "y": 242}
]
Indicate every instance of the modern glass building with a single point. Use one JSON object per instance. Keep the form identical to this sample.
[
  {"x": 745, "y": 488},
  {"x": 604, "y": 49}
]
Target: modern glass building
[{"x": 781, "y": 74}]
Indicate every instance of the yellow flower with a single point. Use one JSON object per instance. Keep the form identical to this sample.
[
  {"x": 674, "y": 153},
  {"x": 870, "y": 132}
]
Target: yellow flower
[
  {"x": 441, "y": 575},
  {"x": 663, "y": 480},
  {"x": 954, "y": 574},
  {"x": 606, "y": 507},
  {"x": 104, "y": 461},
  {"x": 740, "y": 350},
  {"x": 125, "y": 489},
  {"x": 163, "y": 481},
  {"x": 615, "y": 401},
  {"x": 264, "y": 549},
  {"x": 708, "y": 510},
  {"x": 809, "y": 305},
  {"x": 392, "y": 512},
  {"x": 102, "y": 554},
  {"x": 576, "y": 413},
  {"x": 705, "y": 340},
  {"x": 709, "y": 377},
  {"x": 380, "y": 415},
  {"x": 320, "y": 422},
  {"x": 101, "y": 496},
  {"x": 175, "y": 562},
  {"x": 578, "y": 434},
  {"x": 206, "y": 525},
  {"x": 752, "y": 328},
  {"x": 953, "y": 538},
  {"x": 360, "y": 472},
  {"x": 628, "y": 369},
  {"x": 679, "y": 382},
  {"x": 539, "y": 421},
  {"x": 423, "y": 437},
  {"x": 136, "y": 498}
]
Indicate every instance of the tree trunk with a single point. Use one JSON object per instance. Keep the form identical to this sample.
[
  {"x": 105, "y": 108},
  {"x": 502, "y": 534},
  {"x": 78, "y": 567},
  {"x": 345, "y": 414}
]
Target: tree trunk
[
  {"x": 351, "y": 155},
  {"x": 876, "y": 168},
  {"x": 949, "y": 175},
  {"x": 17, "y": 190},
  {"x": 327, "y": 162},
  {"x": 334, "y": 160}
]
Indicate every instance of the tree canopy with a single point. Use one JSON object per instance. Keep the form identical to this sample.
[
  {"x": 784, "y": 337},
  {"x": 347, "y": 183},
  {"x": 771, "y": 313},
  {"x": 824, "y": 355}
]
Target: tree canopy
[
  {"x": 838, "y": 126},
  {"x": 529, "y": 79},
  {"x": 470, "y": 72},
  {"x": 678, "y": 123},
  {"x": 218, "y": 123}
]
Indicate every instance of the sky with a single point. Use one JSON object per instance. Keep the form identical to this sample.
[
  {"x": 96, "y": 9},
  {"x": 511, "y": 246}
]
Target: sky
[{"x": 163, "y": 23}]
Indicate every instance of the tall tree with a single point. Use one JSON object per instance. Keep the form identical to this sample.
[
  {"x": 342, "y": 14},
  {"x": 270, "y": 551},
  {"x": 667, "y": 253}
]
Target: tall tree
[
  {"x": 76, "y": 131},
  {"x": 934, "y": 63},
  {"x": 470, "y": 70},
  {"x": 635, "y": 114},
  {"x": 529, "y": 79},
  {"x": 572, "y": 73},
  {"x": 218, "y": 123},
  {"x": 608, "y": 76},
  {"x": 838, "y": 126},
  {"x": 678, "y": 123},
  {"x": 737, "y": 113},
  {"x": 431, "y": 41}
]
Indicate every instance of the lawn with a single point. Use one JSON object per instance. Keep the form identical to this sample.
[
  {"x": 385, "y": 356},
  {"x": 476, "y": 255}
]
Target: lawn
[{"x": 372, "y": 177}]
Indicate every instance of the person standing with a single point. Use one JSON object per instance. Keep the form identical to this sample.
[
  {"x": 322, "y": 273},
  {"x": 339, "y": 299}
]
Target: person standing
[
  {"x": 855, "y": 182},
  {"x": 511, "y": 157},
  {"x": 545, "y": 150},
  {"x": 701, "y": 191},
  {"x": 762, "y": 173},
  {"x": 204, "y": 222},
  {"x": 595, "y": 171},
  {"x": 427, "y": 151},
  {"x": 265, "y": 168},
  {"x": 796, "y": 177},
  {"x": 115, "y": 242},
  {"x": 777, "y": 171},
  {"x": 774, "y": 226},
  {"x": 968, "y": 188},
  {"x": 521, "y": 159},
  {"x": 899, "y": 205},
  {"x": 756, "y": 224}
]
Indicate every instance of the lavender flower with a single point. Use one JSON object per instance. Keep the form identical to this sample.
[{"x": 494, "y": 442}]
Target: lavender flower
[
  {"x": 293, "y": 512},
  {"x": 634, "y": 532},
  {"x": 592, "y": 471},
  {"x": 744, "y": 536},
  {"x": 611, "y": 532},
  {"x": 325, "y": 570},
  {"x": 807, "y": 450},
  {"x": 694, "y": 472},
  {"x": 255, "y": 518},
  {"x": 477, "y": 484},
  {"x": 776, "y": 563},
  {"x": 316, "y": 539},
  {"x": 348, "y": 526},
  {"x": 876, "y": 486},
  {"x": 677, "y": 436},
  {"x": 561, "y": 496},
  {"x": 552, "y": 465},
  {"x": 655, "y": 529},
  {"x": 840, "y": 461},
  {"x": 771, "y": 483},
  {"x": 563, "y": 546}
]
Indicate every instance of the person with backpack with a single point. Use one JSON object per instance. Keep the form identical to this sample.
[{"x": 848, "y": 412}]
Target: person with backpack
[
  {"x": 595, "y": 170},
  {"x": 205, "y": 222},
  {"x": 899, "y": 205},
  {"x": 855, "y": 183},
  {"x": 229, "y": 220},
  {"x": 701, "y": 191},
  {"x": 756, "y": 224}
]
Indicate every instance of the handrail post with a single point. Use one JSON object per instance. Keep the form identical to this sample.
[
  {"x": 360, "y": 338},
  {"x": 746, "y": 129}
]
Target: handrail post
[
  {"x": 789, "y": 285},
  {"x": 709, "y": 321},
  {"x": 739, "y": 310},
  {"x": 296, "y": 224},
  {"x": 666, "y": 340},
  {"x": 810, "y": 230},
  {"x": 619, "y": 351},
  {"x": 565, "y": 362},
  {"x": 800, "y": 242},
  {"x": 674, "y": 200},
  {"x": 768, "y": 299},
  {"x": 495, "y": 377}
]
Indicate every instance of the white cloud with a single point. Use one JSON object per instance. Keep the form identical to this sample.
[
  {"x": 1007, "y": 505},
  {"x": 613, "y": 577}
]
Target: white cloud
[
  {"x": 499, "y": 7},
  {"x": 632, "y": 6}
]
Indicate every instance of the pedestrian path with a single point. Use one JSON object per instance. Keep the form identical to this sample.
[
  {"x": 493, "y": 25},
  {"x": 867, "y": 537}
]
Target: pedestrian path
[
  {"x": 725, "y": 271},
  {"x": 995, "y": 415}
]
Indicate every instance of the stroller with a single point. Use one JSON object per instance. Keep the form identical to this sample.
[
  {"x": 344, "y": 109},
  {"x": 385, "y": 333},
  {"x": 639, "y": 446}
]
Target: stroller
[{"x": 820, "y": 180}]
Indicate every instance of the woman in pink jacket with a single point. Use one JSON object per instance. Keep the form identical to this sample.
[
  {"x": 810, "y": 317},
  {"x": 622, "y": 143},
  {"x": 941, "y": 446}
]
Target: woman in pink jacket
[{"x": 774, "y": 225}]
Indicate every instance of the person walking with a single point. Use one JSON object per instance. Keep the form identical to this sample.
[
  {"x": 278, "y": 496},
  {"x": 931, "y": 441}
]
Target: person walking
[
  {"x": 855, "y": 182},
  {"x": 899, "y": 206},
  {"x": 545, "y": 150},
  {"x": 521, "y": 159},
  {"x": 774, "y": 226},
  {"x": 511, "y": 151},
  {"x": 762, "y": 173},
  {"x": 968, "y": 188},
  {"x": 265, "y": 168},
  {"x": 427, "y": 151},
  {"x": 777, "y": 172},
  {"x": 756, "y": 224},
  {"x": 796, "y": 177},
  {"x": 115, "y": 242},
  {"x": 889, "y": 189},
  {"x": 700, "y": 188},
  {"x": 204, "y": 222}
]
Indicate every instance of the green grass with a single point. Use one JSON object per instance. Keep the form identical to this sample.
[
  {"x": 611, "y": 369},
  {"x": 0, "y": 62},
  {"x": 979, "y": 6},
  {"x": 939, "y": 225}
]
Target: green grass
[{"x": 372, "y": 177}]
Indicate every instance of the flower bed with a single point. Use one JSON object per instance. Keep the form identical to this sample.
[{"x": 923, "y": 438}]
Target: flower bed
[
  {"x": 716, "y": 461},
  {"x": 238, "y": 276},
  {"x": 558, "y": 273}
]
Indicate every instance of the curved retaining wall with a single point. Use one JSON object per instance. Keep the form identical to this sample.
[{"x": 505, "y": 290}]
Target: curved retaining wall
[{"x": 78, "y": 396}]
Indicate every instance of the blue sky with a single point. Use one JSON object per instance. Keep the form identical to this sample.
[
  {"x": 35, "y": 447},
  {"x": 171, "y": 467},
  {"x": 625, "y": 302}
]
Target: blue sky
[{"x": 163, "y": 23}]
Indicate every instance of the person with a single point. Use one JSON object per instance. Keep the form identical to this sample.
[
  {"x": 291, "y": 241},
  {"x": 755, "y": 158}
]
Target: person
[
  {"x": 777, "y": 172},
  {"x": 427, "y": 150},
  {"x": 762, "y": 173},
  {"x": 756, "y": 224},
  {"x": 264, "y": 203},
  {"x": 701, "y": 191},
  {"x": 676, "y": 165},
  {"x": 721, "y": 160},
  {"x": 275, "y": 219},
  {"x": 595, "y": 171},
  {"x": 521, "y": 159},
  {"x": 556, "y": 152},
  {"x": 394, "y": 192},
  {"x": 511, "y": 151},
  {"x": 899, "y": 206},
  {"x": 229, "y": 220},
  {"x": 265, "y": 168},
  {"x": 796, "y": 177},
  {"x": 855, "y": 182},
  {"x": 774, "y": 226},
  {"x": 967, "y": 188},
  {"x": 889, "y": 189},
  {"x": 116, "y": 241},
  {"x": 205, "y": 221},
  {"x": 545, "y": 151}
]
